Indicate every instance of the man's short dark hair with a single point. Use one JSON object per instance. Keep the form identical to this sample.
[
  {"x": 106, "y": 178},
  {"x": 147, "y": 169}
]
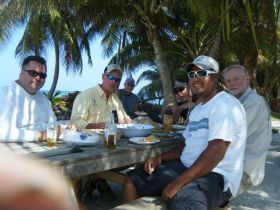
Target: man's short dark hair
[{"x": 36, "y": 58}]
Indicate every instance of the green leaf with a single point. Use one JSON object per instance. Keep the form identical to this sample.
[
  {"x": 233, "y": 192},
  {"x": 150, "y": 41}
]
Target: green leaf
[{"x": 250, "y": 17}]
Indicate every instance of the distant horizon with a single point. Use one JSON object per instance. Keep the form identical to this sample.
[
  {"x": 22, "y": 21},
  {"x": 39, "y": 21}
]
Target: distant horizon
[{"x": 91, "y": 75}]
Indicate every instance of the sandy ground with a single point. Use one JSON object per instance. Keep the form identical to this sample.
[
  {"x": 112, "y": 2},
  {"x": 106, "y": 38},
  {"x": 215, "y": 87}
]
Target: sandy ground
[{"x": 266, "y": 196}]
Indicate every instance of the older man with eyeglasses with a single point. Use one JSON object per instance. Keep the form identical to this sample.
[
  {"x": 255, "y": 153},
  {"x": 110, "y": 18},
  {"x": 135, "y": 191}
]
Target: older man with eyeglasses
[
  {"x": 26, "y": 111},
  {"x": 91, "y": 106},
  {"x": 259, "y": 133},
  {"x": 205, "y": 172}
]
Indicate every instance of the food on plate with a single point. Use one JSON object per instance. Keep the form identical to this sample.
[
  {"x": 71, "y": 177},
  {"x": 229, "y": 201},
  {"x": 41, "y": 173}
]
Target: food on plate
[{"x": 150, "y": 138}]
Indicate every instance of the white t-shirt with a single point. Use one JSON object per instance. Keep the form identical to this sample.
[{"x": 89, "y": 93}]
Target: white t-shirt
[
  {"x": 223, "y": 117},
  {"x": 22, "y": 115}
]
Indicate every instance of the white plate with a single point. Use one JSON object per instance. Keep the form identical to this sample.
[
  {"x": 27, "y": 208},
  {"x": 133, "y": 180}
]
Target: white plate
[
  {"x": 179, "y": 127},
  {"x": 168, "y": 136},
  {"x": 141, "y": 140},
  {"x": 80, "y": 138}
]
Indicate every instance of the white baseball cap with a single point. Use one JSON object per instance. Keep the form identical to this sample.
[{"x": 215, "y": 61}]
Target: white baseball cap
[
  {"x": 204, "y": 63},
  {"x": 113, "y": 67}
]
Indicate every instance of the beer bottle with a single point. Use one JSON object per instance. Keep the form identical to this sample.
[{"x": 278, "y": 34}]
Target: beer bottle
[{"x": 115, "y": 114}]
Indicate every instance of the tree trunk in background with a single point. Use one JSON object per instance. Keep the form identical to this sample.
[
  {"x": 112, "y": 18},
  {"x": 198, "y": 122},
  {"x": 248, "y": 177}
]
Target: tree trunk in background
[
  {"x": 250, "y": 61},
  {"x": 215, "y": 49},
  {"x": 163, "y": 67},
  {"x": 274, "y": 43},
  {"x": 56, "y": 72}
]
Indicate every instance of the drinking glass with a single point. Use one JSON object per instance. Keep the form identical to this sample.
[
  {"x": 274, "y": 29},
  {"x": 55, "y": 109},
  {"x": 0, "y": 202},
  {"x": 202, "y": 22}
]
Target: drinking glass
[{"x": 52, "y": 135}]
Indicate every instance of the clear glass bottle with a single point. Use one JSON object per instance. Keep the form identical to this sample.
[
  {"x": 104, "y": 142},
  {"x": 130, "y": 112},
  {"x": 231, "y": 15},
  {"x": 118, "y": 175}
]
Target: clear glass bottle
[
  {"x": 111, "y": 131},
  {"x": 115, "y": 114}
]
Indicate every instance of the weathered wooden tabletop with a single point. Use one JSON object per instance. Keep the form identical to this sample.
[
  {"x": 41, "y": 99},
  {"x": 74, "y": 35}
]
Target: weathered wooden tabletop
[{"x": 92, "y": 159}]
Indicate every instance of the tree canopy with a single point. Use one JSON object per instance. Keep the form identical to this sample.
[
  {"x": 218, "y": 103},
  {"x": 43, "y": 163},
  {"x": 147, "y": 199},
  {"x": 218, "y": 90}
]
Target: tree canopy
[{"x": 165, "y": 34}]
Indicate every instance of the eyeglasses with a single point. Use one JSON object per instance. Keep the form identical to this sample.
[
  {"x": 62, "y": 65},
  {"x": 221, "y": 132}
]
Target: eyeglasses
[
  {"x": 111, "y": 77},
  {"x": 178, "y": 90},
  {"x": 236, "y": 79},
  {"x": 200, "y": 73},
  {"x": 34, "y": 73}
]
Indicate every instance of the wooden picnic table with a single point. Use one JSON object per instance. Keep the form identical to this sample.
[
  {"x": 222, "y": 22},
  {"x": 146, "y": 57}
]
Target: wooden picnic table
[{"x": 92, "y": 159}]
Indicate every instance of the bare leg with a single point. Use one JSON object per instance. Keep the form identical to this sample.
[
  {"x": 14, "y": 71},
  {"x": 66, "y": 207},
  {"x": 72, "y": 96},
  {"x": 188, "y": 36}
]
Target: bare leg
[{"x": 129, "y": 191}]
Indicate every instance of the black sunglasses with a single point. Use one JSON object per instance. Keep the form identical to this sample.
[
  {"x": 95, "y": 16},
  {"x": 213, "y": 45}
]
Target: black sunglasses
[
  {"x": 34, "y": 73},
  {"x": 111, "y": 77},
  {"x": 178, "y": 90}
]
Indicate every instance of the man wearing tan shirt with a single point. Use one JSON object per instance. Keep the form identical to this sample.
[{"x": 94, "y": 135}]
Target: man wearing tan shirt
[{"x": 90, "y": 108}]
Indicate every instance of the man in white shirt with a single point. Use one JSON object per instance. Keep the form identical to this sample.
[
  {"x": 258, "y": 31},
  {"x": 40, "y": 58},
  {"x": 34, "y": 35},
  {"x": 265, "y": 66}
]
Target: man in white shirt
[
  {"x": 208, "y": 169},
  {"x": 259, "y": 133},
  {"x": 25, "y": 111}
]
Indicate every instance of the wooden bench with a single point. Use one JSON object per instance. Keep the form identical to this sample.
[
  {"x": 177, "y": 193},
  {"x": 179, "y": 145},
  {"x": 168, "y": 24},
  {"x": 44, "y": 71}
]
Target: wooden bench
[
  {"x": 144, "y": 203},
  {"x": 148, "y": 203}
]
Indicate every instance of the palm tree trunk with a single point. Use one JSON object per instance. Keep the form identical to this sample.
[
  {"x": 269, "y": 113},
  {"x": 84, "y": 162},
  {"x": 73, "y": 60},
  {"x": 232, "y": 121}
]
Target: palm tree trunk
[
  {"x": 250, "y": 61},
  {"x": 215, "y": 49},
  {"x": 56, "y": 71},
  {"x": 163, "y": 67}
]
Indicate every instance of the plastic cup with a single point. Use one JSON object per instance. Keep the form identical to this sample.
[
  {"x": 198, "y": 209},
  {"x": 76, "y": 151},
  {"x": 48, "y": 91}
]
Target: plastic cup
[{"x": 52, "y": 136}]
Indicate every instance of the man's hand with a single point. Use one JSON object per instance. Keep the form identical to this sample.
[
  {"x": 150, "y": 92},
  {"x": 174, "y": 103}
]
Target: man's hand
[
  {"x": 184, "y": 106},
  {"x": 170, "y": 190},
  {"x": 152, "y": 164},
  {"x": 100, "y": 125}
]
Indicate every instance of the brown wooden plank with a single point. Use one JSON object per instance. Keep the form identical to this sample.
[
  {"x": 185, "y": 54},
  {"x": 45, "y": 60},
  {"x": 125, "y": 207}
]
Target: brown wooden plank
[{"x": 93, "y": 159}]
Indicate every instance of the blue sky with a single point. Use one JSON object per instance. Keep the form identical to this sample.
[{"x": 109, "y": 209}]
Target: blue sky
[{"x": 91, "y": 75}]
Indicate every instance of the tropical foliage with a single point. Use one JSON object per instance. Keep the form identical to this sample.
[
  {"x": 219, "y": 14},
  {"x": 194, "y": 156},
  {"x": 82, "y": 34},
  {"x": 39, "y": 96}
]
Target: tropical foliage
[{"x": 166, "y": 34}]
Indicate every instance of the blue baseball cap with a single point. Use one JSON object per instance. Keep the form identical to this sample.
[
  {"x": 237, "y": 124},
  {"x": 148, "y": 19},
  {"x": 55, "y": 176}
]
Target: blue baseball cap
[{"x": 129, "y": 81}]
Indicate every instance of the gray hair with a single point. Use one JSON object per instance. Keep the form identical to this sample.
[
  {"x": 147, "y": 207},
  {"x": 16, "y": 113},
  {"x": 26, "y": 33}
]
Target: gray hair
[{"x": 235, "y": 66}]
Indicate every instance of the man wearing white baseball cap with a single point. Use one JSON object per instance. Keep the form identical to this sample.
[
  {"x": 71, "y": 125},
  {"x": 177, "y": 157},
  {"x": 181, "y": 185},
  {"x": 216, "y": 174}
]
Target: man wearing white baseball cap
[
  {"x": 204, "y": 62},
  {"x": 206, "y": 171},
  {"x": 90, "y": 107}
]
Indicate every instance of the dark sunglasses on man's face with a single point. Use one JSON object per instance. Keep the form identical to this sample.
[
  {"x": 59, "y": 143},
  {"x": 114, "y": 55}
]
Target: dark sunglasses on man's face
[
  {"x": 111, "y": 77},
  {"x": 200, "y": 73},
  {"x": 34, "y": 73},
  {"x": 178, "y": 90}
]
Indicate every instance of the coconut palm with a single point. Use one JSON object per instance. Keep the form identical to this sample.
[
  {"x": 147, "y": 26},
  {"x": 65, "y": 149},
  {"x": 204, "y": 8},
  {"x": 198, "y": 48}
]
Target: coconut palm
[
  {"x": 48, "y": 24},
  {"x": 153, "y": 90},
  {"x": 149, "y": 32},
  {"x": 144, "y": 18}
]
